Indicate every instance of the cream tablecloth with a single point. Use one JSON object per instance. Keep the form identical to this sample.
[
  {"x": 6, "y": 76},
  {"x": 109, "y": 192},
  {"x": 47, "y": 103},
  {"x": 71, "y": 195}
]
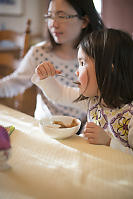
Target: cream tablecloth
[{"x": 44, "y": 168}]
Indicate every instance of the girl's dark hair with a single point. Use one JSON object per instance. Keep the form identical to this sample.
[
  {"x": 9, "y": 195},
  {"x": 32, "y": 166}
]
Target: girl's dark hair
[
  {"x": 112, "y": 51},
  {"x": 84, "y": 8}
]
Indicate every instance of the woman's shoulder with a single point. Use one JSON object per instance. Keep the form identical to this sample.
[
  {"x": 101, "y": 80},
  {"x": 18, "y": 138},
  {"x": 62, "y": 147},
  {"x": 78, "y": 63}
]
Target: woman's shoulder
[{"x": 43, "y": 45}]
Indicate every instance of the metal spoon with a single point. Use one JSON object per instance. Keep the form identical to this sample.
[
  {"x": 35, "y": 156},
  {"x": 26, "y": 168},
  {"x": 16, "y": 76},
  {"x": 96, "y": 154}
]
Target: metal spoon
[{"x": 74, "y": 82}]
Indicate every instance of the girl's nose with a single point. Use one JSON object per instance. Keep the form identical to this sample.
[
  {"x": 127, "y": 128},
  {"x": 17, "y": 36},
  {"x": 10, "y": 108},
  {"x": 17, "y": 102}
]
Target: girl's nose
[{"x": 77, "y": 73}]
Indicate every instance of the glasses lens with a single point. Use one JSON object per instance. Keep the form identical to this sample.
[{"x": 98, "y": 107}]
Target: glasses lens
[
  {"x": 58, "y": 17},
  {"x": 46, "y": 17}
]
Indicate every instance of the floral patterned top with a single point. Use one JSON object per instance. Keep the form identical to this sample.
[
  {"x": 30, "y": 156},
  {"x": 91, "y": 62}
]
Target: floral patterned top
[{"x": 115, "y": 121}]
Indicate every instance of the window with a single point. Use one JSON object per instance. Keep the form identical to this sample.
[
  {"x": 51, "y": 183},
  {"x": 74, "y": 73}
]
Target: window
[{"x": 98, "y": 5}]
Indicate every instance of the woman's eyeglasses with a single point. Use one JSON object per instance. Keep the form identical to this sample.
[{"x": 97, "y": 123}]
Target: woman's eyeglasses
[{"x": 58, "y": 17}]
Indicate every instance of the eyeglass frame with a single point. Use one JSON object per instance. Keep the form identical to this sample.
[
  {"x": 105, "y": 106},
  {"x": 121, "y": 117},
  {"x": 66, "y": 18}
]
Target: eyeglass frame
[{"x": 50, "y": 17}]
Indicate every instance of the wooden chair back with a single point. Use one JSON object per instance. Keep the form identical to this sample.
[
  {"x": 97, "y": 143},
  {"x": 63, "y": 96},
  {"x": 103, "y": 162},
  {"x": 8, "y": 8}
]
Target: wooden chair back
[
  {"x": 27, "y": 38},
  {"x": 9, "y": 35},
  {"x": 20, "y": 40},
  {"x": 8, "y": 64}
]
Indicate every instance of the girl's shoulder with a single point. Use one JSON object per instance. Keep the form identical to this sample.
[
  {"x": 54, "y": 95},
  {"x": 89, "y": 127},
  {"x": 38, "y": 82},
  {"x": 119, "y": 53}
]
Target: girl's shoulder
[
  {"x": 93, "y": 101},
  {"x": 128, "y": 106}
]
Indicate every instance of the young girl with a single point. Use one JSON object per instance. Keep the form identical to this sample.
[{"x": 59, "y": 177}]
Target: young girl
[
  {"x": 105, "y": 78},
  {"x": 68, "y": 21}
]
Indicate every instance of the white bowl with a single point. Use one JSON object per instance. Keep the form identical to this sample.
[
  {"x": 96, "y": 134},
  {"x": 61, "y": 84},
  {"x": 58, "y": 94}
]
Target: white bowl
[{"x": 53, "y": 130}]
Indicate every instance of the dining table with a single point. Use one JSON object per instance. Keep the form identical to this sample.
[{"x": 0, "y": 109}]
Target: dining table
[{"x": 46, "y": 168}]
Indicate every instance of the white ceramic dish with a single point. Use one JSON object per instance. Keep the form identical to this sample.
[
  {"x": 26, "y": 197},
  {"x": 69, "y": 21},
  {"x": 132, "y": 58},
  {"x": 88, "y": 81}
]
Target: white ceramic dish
[{"x": 54, "y": 131}]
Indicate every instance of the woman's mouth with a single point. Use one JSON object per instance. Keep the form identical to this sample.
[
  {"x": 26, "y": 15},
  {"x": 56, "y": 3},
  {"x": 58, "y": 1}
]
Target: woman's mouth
[{"x": 57, "y": 34}]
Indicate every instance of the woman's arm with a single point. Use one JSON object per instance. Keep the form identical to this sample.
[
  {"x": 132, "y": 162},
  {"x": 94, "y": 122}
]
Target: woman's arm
[
  {"x": 55, "y": 91},
  {"x": 20, "y": 79},
  {"x": 59, "y": 93}
]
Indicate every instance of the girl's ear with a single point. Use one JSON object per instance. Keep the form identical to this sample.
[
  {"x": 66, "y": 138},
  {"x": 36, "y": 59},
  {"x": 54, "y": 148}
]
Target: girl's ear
[{"x": 86, "y": 20}]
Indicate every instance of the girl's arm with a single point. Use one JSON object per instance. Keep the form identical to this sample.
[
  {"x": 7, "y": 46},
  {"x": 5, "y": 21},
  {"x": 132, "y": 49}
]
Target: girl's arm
[
  {"x": 115, "y": 143},
  {"x": 20, "y": 79},
  {"x": 59, "y": 93},
  {"x": 55, "y": 91}
]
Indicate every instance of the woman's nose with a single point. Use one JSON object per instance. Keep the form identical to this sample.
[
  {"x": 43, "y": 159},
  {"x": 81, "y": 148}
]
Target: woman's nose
[
  {"x": 54, "y": 23},
  {"x": 77, "y": 73}
]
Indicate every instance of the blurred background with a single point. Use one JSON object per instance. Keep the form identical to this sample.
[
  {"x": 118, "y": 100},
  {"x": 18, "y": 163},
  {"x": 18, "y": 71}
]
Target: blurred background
[{"x": 115, "y": 13}]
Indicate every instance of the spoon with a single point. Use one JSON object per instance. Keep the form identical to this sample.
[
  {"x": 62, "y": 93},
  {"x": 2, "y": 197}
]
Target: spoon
[{"x": 74, "y": 82}]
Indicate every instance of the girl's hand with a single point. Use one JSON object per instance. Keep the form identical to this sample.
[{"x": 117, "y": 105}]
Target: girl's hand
[
  {"x": 46, "y": 69},
  {"x": 96, "y": 134}
]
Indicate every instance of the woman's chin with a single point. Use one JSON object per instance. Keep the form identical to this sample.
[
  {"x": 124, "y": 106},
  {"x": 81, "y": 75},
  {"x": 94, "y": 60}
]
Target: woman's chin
[{"x": 58, "y": 40}]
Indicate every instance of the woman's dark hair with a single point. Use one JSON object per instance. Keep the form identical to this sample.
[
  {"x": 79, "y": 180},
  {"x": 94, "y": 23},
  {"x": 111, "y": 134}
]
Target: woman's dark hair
[
  {"x": 112, "y": 51},
  {"x": 84, "y": 8}
]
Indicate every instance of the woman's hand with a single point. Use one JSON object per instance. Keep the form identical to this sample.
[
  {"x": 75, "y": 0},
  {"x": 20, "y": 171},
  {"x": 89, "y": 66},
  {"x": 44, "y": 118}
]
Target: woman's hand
[
  {"x": 46, "y": 69},
  {"x": 95, "y": 134}
]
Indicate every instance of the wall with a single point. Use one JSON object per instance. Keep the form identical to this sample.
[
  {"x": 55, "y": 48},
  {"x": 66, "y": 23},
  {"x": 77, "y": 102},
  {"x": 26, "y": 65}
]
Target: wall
[
  {"x": 32, "y": 9},
  {"x": 115, "y": 13},
  {"x": 118, "y": 14}
]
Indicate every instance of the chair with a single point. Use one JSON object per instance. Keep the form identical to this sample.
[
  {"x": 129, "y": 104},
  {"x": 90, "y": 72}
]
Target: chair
[
  {"x": 7, "y": 65},
  {"x": 9, "y": 61},
  {"x": 14, "y": 42},
  {"x": 27, "y": 38}
]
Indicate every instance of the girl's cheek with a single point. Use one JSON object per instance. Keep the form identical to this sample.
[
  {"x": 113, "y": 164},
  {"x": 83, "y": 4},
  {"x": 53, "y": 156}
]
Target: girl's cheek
[
  {"x": 83, "y": 78},
  {"x": 83, "y": 81}
]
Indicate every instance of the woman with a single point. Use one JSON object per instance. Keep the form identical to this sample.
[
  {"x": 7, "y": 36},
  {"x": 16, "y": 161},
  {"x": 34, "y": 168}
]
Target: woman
[{"x": 68, "y": 22}]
